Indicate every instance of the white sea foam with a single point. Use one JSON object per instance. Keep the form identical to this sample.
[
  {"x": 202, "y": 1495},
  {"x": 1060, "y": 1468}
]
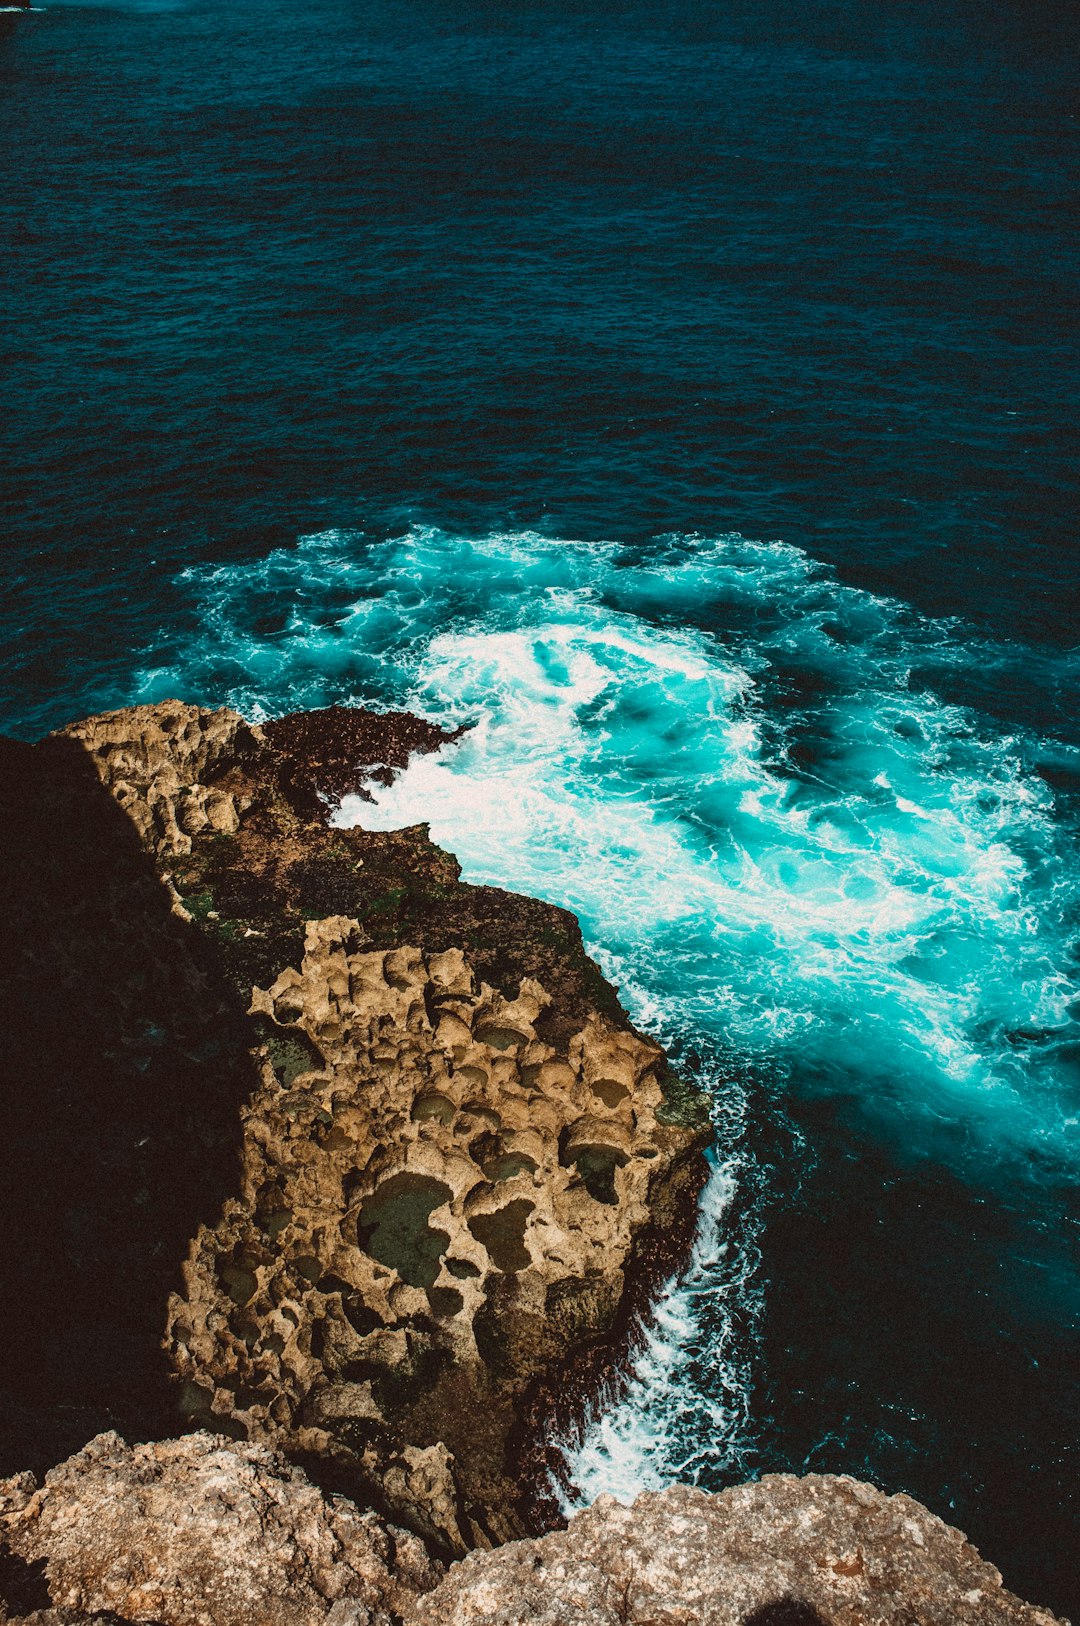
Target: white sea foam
[
  {"x": 684, "y": 1405},
  {"x": 719, "y": 758}
]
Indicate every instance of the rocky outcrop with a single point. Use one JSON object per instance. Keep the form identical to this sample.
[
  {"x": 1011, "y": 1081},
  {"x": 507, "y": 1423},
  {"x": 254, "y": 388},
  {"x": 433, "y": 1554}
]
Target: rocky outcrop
[
  {"x": 819, "y": 1551},
  {"x": 458, "y": 1164},
  {"x": 435, "y": 1206},
  {"x": 341, "y": 750},
  {"x": 204, "y": 1532},
  {"x": 172, "y": 767},
  {"x": 161, "y": 763},
  {"x": 198, "y": 1532}
]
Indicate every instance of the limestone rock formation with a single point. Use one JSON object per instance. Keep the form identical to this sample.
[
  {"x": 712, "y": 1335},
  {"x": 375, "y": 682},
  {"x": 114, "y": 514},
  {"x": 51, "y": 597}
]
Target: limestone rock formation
[
  {"x": 202, "y": 1532},
  {"x": 817, "y": 1551},
  {"x": 435, "y": 1205},
  {"x": 160, "y": 764},
  {"x": 459, "y": 1166}
]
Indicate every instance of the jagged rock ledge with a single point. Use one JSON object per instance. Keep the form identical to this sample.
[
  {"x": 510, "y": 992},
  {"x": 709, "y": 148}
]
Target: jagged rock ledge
[
  {"x": 204, "y": 1532},
  {"x": 452, "y": 1165}
]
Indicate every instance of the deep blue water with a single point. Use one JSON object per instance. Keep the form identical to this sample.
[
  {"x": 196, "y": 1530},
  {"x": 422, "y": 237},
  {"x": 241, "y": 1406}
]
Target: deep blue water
[{"x": 687, "y": 394}]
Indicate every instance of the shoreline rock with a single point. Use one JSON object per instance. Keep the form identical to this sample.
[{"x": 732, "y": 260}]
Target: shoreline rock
[
  {"x": 456, "y": 1162},
  {"x": 823, "y": 1550}
]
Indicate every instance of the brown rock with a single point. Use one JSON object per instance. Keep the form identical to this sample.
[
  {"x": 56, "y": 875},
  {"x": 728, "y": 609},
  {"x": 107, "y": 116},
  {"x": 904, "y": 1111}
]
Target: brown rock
[
  {"x": 203, "y": 1532},
  {"x": 818, "y": 1551},
  {"x": 435, "y": 1207},
  {"x": 458, "y": 1156},
  {"x": 161, "y": 764}
]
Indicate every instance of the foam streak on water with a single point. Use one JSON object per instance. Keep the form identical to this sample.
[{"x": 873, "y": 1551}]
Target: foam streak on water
[
  {"x": 684, "y": 1409},
  {"x": 789, "y": 849}
]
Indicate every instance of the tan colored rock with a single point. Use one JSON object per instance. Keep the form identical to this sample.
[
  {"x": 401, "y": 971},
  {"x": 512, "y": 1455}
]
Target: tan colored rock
[
  {"x": 817, "y": 1551},
  {"x": 460, "y": 1155},
  {"x": 431, "y": 1212},
  {"x": 203, "y": 1532},
  {"x": 160, "y": 763}
]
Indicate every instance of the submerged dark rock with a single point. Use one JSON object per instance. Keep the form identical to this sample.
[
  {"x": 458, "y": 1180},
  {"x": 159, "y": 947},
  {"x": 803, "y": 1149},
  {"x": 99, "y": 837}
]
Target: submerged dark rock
[{"x": 340, "y": 750}]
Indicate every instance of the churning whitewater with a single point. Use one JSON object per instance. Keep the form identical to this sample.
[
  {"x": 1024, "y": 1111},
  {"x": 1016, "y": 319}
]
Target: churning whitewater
[{"x": 811, "y": 874}]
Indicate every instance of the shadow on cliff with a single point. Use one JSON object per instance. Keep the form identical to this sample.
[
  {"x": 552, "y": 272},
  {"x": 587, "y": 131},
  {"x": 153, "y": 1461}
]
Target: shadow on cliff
[{"x": 122, "y": 1071}]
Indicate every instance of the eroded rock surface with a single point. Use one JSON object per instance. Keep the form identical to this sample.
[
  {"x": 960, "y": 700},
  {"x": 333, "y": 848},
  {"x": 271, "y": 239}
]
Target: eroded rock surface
[
  {"x": 435, "y": 1206},
  {"x": 459, "y": 1157},
  {"x": 161, "y": 763},
  {"x": 817, "y": 1551},
  {"x": 201, "y": 1532}
]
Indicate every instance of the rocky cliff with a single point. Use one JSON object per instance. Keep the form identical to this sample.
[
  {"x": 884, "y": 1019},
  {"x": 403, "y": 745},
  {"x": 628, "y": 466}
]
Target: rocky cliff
[
  {"x": 453, "y": 1164},
  {"x": 202, "y": 1532}
]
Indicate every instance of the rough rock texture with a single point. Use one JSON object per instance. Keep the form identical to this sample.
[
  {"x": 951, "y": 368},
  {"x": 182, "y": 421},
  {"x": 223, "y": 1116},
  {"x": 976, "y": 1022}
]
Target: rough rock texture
[
  {"x": 169, "y": 765},
  {"x": 198, "y": 1532},
  {"x": 818, "y": 1551},
  {"x": 457, "y": 1162},
  {"x": 162, "y": 769},
  {"x": 435, "y": 1206}
]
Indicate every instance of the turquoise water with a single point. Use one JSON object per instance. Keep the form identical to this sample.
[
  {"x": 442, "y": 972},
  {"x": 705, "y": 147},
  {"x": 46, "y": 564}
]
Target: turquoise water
[
  {"x": 845, "y": 900},
  {"x": 735, "y": 772}
]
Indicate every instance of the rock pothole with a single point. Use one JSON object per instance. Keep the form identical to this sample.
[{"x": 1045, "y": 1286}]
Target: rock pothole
[{"x": 393, "y": 1227}]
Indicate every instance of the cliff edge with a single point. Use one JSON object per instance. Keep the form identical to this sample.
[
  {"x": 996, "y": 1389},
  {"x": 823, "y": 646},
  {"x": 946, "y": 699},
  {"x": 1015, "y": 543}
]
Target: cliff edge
[
  {"x": 452, "y": 1166},
  {"x": 203, "y": 1532},
  {"x": 348, "y": 1167}
]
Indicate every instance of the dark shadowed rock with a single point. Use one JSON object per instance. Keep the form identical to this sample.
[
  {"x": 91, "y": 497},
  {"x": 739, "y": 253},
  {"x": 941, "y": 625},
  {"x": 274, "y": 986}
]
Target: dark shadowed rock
[
  {"x": 124, "y": 1065},
  {"x": 340, "y": 750}
]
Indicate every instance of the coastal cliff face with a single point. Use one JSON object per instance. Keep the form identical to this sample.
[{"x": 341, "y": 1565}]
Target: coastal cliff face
[
  {"x": 366, "y": 1170},
  {"x": 458, "y": 1164},
  {"x": 203, "y": 1532},
  {"x": 435, "y": 1207}
]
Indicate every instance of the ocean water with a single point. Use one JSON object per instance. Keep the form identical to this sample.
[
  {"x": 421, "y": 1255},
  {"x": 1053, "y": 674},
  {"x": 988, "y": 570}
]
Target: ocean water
[{"x": 685, "y": 397}]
